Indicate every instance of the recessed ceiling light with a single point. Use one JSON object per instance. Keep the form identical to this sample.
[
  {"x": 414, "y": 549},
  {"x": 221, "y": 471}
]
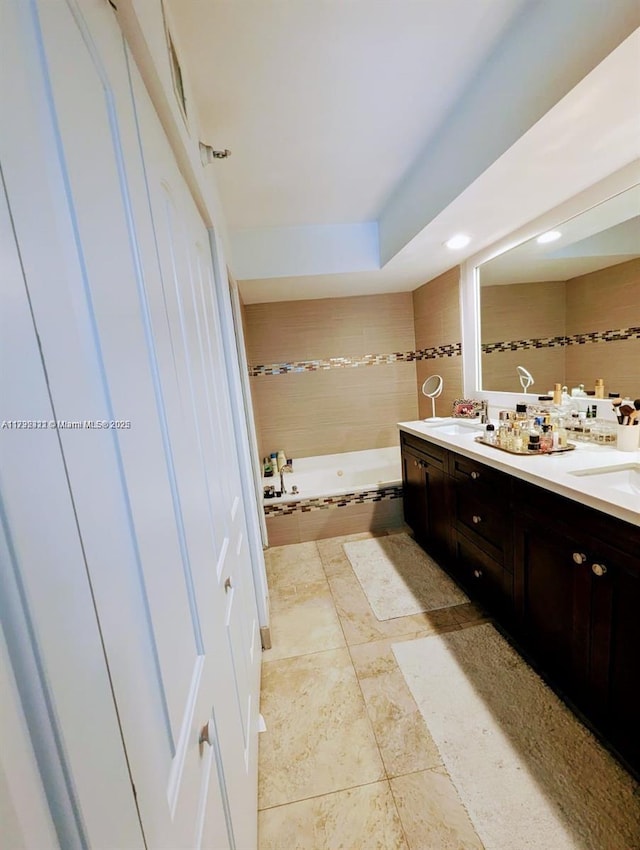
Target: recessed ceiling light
[
  {"x": 549, "y": 236},
  {"x": 459, "y": 241}
]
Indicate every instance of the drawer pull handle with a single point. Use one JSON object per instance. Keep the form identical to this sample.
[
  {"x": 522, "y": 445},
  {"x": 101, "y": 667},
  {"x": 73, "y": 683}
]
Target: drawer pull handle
[
  {"x": 598, "y": 569},
  {"x": 476, "y": 519},
  {"x": 477, "y": 573},
  {"x": 475, "y": 475},
  {"x": 579, "y": 558}
]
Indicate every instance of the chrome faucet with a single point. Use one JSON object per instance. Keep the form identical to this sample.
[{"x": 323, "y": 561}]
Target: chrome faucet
[
  {"x": 484, "y": 412},
  {"x": 284, "y": 468}
]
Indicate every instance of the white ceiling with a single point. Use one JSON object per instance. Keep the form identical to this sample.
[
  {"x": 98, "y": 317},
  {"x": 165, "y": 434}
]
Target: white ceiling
[
  {"x": 364, "y": 133},
  {"x": 602, "y": 236}
]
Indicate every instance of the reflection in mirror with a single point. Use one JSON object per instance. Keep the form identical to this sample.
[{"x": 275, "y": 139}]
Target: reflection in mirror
[
  {"x": 567, "y": 308},
  {"x": 526, "y": 378}
]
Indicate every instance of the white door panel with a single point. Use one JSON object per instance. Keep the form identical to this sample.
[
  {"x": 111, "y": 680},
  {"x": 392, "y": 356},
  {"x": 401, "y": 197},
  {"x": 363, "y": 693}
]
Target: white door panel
[
  {"x": 46, "y": 602},
  {"x": 184, "y": 315},
  {"x": 124, "y": 308}
]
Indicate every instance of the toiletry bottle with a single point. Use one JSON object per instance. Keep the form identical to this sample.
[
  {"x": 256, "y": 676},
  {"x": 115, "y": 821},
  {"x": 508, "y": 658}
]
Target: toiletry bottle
[
  {"x": 535, "y": 444},
  {"x": 521, "y": 411},
  {"x": 267, "y": 469},
  {"x": 562, "y": 437},
  {"x": 557, "y": 394},
  {"x": 599, "y": 388},
  {"x": 490, "y": 434},
  {"x": 274, "y": 462},
  {"x": 517, "y": 440},
  {"x": 282, "y": 459},
  {"x": 503, "y": 431}
]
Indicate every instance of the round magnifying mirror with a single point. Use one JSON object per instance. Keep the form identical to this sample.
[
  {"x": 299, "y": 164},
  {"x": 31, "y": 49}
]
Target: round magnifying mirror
[
  {"x": 526, "y": 378},
  {"x": 432, "y": 388}
]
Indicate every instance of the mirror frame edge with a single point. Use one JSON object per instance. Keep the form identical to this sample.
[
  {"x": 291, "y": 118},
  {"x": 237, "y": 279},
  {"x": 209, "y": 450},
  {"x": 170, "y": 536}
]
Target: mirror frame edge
[{"x": 615, "y": 183}]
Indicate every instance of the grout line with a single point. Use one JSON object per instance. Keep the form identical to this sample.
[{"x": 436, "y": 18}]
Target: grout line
[{"x": 325, "y": 794}]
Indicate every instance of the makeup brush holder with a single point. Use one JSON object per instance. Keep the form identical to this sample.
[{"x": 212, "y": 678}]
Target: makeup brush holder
[{"x": 628, "y": 438}]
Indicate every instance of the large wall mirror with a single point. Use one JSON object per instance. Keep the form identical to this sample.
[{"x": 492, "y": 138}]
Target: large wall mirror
[{"x": 564, "y": 304}]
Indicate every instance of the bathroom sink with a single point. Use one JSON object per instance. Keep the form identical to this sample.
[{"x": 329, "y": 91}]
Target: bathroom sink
[{"x": 624, "y": 477}]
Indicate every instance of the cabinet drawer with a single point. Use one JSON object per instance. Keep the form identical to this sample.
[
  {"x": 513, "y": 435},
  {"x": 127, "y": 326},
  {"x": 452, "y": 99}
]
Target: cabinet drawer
[
  {"x": 484, "y": 523},
  {"x": 483, "y": 576},
  {"x": 481, "y": 478},
  {"x": 435, "y": 455}
]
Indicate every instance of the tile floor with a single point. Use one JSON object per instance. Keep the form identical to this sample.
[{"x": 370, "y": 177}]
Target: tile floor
[{"x": 347, "y": 762}]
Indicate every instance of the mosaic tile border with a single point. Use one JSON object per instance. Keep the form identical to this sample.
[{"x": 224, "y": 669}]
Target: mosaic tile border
[
  {"x": 451, "y": 350},
  {"x": 560, "y": 341},
  {"x": 327, "y": 503}
]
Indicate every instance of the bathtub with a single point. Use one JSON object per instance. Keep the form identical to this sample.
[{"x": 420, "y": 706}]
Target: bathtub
[{"x": 337, "y": 494}]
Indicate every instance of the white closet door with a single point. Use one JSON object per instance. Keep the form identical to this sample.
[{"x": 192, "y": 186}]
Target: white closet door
[
  {"x": 185, "y": 323},
  {"x": 127, "y": 325},
  {"x": 60, "y": 734}
]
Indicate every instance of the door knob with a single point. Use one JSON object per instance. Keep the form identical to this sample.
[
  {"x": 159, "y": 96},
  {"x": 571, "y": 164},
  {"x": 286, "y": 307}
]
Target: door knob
[
  {"x": 477, "y": 573},
  {"x": 227, "y": 584},
  {"x": 207, "y": 733},
  {"x": 475, "y": 475},
  {"x": 598, "y": 569},
  {"x": 579, "y": 558},
  {"x": 476, "y": 519}
]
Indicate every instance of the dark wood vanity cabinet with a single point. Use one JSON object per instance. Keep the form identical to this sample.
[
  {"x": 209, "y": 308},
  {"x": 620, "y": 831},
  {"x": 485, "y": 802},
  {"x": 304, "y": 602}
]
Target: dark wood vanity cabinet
[
  {"x": 482, "y": 550},
  {"x": 456, "y": 509},
  {"x": 577, "y": 607},
  {"x": 426, "y": 494},
  {"x": 563, "y": 579}
]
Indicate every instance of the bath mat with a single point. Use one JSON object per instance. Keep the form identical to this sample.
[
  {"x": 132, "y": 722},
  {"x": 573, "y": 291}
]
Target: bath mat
[
  {"x": 530, "y": 775},
  {"x": 399, "y": 578}
]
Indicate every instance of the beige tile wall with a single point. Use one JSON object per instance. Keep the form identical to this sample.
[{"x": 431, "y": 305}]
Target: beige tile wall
[
  {"x": 351, "y": 519},
  {"x": 436, "y": 312},
  {"x": 605, "y": 299},
  {"x": 608, "y": 299},
  {"x": 547, "y": 365},
  {"x": 339, "y": 409},
  {"x": 522, "y": 311},
  {"x": 618, "y": 363}
]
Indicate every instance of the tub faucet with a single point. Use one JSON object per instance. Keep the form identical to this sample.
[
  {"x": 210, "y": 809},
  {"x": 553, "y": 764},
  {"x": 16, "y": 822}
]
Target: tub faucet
[{"x": 284, "y": 468}]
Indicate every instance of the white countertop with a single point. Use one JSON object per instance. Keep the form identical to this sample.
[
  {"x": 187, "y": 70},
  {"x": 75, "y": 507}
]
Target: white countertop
[{"x": 549, "y": 471}]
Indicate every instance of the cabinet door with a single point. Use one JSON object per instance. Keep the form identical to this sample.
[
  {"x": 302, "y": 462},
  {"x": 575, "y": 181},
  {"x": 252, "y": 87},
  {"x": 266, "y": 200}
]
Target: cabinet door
[
  {"x": 427, "y": 500},
  {"x": 414, "y": 493},
  {"x": 552, "y": 586},
  {"x": 615, "y": 638}
]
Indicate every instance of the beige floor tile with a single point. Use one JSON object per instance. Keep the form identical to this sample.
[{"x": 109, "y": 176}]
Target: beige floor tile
[
  {"x": 303, "y": 620},
  {"x": 290, "y": 565},
  {"x": 401, "y": 732},
  {"x": 360, "y": 624},
  {"x": 319, "y": 737},
  {"x": 431, "y": 812},
  {"x": 364, "y": 818},
  {"x": 377, "y": 657},
  {"x": 332, "y": 554}
]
